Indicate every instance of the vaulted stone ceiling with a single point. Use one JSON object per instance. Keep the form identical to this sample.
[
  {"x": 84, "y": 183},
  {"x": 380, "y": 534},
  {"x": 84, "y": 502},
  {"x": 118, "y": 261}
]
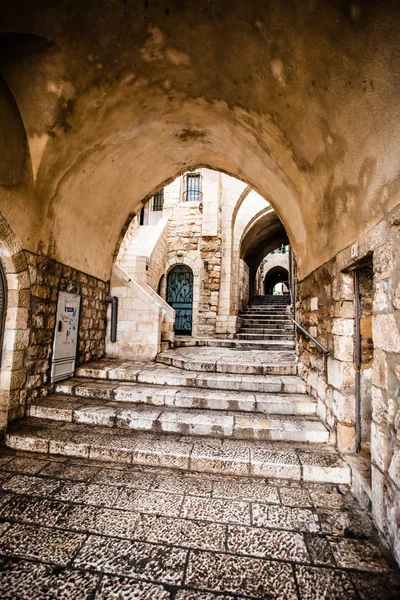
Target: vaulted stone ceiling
[{"x": 298, "y": 99}]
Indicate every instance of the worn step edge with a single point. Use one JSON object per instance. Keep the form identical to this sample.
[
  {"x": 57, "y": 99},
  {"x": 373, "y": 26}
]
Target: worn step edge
[
  {"x": 217, "y": 366},
  {"x": 179, "y": 420},
  {"x": 243, "y": 459},
  {"x": 284, "y": 384},
  {"x": 201, "y": 398}
]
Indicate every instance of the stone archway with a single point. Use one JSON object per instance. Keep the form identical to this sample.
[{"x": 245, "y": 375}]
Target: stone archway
[
  {"x": 274, "y": 276},
  {"x": 15, "y": 334}
]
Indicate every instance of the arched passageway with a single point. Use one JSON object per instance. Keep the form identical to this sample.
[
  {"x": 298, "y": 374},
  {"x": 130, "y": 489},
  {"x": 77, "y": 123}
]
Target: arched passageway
[
  {"x": 274, "y": 276},
  {"x": 298, "y": 100}
]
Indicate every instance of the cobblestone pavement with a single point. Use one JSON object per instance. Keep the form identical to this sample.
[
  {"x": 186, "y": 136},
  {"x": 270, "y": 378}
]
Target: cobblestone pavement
[{"x": 78, "y": 529}]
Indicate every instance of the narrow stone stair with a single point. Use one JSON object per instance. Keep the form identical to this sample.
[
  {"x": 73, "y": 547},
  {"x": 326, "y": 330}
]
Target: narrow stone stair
[
  {"x": 153, "y": 414},
  {"x": 268, "y": 319}
]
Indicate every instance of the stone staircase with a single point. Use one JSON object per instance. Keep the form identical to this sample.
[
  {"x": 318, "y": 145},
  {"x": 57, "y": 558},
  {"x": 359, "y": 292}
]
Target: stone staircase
[
  {"x": 149, "y": 413},
  {"x": 268, "y": 319}
]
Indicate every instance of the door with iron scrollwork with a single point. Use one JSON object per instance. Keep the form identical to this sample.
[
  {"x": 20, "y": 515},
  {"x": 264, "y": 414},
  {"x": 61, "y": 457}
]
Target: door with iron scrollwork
[{"x": 180, "y": 297}]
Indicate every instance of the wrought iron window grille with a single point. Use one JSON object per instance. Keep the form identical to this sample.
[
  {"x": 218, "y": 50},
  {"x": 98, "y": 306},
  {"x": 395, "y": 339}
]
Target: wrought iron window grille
[
  {"x": 158, "y": 201},
  {"x": 192, "y": 188}
]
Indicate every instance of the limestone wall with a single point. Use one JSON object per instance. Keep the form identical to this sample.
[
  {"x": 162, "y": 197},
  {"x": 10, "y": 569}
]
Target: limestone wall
[
  {"x": 158, "y": 256},
  {"x": 244, "y": 285},
  {"x": 30, "y": 325},
  {"x": 325, "y": 305},
  {"x": 142, "y": 317},
  {"x": 202, "y": 254}
]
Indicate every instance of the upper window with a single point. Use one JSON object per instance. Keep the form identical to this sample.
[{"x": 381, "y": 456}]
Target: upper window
[
  {"x": 158, "y": 200},
  {"x": 192, "y": 187}
]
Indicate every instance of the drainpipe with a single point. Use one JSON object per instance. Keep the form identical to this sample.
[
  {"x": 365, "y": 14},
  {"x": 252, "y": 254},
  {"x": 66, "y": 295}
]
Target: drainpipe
[
  {"x": 358, "y": 359},
  {"x": 113, "y": 300},
  {"x": 292, "y": 287}
]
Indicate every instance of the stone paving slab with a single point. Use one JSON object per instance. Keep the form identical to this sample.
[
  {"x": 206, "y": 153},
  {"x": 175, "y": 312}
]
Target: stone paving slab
[{"x": 145, "y": 533}]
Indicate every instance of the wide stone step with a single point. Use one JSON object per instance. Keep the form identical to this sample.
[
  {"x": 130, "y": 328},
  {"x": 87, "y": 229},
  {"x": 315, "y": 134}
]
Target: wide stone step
[
  {"x": 266, "y": 311},
  {"x": 182, "y": 397},
  {"x": 222, "y": 343},
  {"x": 276, "y": 342},
  {"x": 209, "y": 360},
  {"x": 201, "y": 422},
  {"x": 296, "y": 461},
  {"x": 281, "y": 323},
  {"x": 157, "y": 374},
  {"x": 268, "y": 306},
  {"x": 272, "y": 326},
  {"x": 269, "y": 318},
  {"x": 271, "y": 334}
]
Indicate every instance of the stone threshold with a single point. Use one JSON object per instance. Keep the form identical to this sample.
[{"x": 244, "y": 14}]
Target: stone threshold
[{"x": 281, "y": 460}]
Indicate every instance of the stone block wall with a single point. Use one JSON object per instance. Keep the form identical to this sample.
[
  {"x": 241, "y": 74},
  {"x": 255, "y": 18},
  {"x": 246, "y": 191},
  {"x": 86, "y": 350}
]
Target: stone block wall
[
  {"x": 140, "y": 318},
  {"x": 33, "y": 283},
  {"x": 127, "y": 235},
  {"x": 385, "y": 432},
  {"x": 325, "y": 306},
  {"x": 244, "y": 284},
  {"x": 203, "y": 255},
  {"x": 48, "y": 277},
  {"x": 158, "y": 257},
  {"x": 210, "y": 253}
]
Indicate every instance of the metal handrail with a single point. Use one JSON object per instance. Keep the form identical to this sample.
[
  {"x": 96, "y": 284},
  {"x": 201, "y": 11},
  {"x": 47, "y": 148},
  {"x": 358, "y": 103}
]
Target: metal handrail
[{"x": 312, "y": 338}]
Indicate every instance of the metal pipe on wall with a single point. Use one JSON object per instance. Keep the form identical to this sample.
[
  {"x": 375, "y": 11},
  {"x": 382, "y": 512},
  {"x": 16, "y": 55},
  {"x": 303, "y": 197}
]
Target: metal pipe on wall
[
  {"x": 358, "y": 359},
  {"x": 113, "y": 300}
]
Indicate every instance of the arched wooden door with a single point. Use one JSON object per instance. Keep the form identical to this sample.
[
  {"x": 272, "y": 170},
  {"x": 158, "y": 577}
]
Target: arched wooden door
[{"x": 180, "y": 297}]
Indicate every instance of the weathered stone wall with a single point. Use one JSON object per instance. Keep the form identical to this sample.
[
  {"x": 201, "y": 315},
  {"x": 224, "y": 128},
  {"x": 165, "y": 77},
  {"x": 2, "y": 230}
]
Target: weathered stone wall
[
  {"x": 210, "y": 252},
  {"x": 48, "y": 278},
  {"x": 33, "y": 338},
  {"x": 385, "y": 432},
  {"x": 244, "y": 284},
  {"x": 140, "y": 318},
  {"x": 158, "y": 257},
  {"x": 203, "y": 255},
  {"x": 325, "y": 305},
  {"x": 325, "y": 308},
  {"x": 127, "y": 235}
]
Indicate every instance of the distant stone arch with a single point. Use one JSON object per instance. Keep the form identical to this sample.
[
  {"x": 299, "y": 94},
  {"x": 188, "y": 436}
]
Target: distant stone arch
[{"x": 274, "y": 276}]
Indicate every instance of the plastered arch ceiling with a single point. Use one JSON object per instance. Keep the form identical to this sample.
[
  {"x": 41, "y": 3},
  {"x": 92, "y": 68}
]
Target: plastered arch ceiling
[{"x": 297, "y": 99}]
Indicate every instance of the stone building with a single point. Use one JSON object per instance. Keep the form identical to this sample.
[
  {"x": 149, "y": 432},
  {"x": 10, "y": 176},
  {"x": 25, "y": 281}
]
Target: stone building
[
  {"x": 180, "y": 231},
  {"x": 255, "y": 126}
]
